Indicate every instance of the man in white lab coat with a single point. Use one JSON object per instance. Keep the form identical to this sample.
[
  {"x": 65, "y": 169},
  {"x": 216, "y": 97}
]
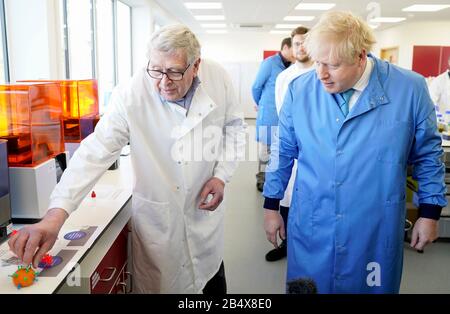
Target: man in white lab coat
[
  {"x": 303, "y": 64},
  {"x": 174, "y": 102},
  {"x": 440, "y": 90}
]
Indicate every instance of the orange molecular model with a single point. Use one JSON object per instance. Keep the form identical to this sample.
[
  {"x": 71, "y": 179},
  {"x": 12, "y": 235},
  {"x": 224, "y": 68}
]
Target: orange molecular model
[{"x": 24, "y": 277}]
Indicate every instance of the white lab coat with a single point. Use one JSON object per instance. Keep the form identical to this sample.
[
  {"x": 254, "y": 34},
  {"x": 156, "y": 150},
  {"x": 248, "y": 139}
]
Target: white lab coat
[
  {"x": 440, "y": 91},
  {"x": 281, "y": 87},
  {"x": 176, "y": 247}
]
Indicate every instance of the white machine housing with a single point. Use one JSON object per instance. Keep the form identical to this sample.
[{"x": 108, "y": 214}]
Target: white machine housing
[{"x": 30, "y": 189}]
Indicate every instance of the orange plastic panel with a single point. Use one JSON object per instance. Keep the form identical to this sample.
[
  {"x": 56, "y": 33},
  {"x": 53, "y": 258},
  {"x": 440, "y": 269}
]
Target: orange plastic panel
[
  {"x": 79, "y": 108},
  {"x": 31, "y": 121}
]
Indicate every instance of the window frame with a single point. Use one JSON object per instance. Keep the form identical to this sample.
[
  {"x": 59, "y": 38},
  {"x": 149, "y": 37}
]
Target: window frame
[{"x": 7, "y": 75}]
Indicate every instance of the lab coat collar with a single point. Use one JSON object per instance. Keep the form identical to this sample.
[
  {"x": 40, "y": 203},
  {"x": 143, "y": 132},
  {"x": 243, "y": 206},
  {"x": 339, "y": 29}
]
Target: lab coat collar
[
  {"x": 202, "y": 105},
  {"x": 374, "y": 94}
]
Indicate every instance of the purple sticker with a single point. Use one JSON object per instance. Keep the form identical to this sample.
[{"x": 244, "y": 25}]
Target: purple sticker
[
  {"x": 56, "y": 260},
  {"x": 76, "y": 235}
]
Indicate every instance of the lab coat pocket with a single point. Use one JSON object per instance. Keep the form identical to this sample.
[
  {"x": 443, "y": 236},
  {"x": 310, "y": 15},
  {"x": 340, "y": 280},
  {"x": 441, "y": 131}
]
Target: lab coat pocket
[
  {"x": 393, "y": 223},
  {"x": 150, "y": 220},
  {"x": 300, "y": 215}
]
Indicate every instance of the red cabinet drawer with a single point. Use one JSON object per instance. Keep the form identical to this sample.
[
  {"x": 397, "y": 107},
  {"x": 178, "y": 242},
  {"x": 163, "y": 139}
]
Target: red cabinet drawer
[{"x": 112, "y": 266}]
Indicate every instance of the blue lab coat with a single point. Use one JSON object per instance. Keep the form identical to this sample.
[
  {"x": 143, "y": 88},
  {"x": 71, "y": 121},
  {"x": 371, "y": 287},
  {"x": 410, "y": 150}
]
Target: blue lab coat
[
  {"x": 347, "y": 215},
  {"x": 263, "y": 91}
]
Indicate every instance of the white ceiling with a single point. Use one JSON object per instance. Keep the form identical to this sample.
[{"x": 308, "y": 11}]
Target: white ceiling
[{"x": 267, "y": 13}]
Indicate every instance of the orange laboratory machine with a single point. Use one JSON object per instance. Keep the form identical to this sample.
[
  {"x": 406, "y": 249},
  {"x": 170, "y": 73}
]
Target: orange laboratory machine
[
  {"x": 80, "y": 109},
  {"x": 31, "y": 122},
  {"x": 5, "y": 205}
]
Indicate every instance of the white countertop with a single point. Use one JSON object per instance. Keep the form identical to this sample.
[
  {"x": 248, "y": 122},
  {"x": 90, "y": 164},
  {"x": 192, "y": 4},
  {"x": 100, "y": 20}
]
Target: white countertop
[{"x": 113, "y": 195}]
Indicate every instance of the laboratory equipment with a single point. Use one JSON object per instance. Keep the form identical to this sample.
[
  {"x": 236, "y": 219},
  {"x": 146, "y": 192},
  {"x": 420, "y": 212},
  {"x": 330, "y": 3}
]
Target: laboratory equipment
[
  {"x": 80, "y": 111},
  {"x": 31, "y": 122},
  {"x": 5, "y": 205}
]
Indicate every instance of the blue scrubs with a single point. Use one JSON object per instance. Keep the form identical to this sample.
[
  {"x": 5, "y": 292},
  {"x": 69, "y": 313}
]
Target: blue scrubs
[
  {"x": 348, "y": 208},
  {"x": 263, "y": 92}
]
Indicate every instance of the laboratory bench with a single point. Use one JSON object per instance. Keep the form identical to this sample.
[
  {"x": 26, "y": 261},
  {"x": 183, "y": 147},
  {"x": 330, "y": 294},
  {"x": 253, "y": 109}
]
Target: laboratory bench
[{"x": 100, "y": 263}]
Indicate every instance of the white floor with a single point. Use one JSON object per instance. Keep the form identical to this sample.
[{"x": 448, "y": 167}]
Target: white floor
[{"x": 246, "y": 244}]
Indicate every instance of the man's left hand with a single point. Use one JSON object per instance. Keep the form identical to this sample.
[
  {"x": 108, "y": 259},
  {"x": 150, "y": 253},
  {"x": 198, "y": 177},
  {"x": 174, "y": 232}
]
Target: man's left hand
[
  {"x": 215, "y": 187},
  {"x": 425, "y": 231}
]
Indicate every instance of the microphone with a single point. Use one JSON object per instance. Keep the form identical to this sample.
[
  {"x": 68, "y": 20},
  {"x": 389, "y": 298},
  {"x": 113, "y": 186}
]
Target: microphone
[{"x": 302, "y": 286}]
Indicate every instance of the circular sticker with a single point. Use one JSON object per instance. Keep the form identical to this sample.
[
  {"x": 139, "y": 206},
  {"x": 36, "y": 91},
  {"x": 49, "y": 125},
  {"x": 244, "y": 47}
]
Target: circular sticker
[
  {"x": 56, "y": 260},
  {"x": 76, "y": 235}
]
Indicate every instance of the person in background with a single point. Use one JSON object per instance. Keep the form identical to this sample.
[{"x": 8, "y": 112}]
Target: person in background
[
  {"x": 303, "y": 64},
  {"x": 354, "y": 125},
  {"x": 177, "y": 217},
  {"x": 440, "y": 90},
  {"x": 263, "y": 91}
]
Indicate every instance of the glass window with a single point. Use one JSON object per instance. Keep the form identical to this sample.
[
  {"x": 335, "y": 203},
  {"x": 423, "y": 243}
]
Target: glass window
[
  {"x": 80, "y": 45},
  {"x": 105, "y": 51},
  {"x": 4, "y": 71},
  {"x": 124, "y": 69}
]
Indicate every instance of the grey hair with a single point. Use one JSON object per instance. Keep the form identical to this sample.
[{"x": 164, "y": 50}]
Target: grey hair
[{"x": 172, "y": 38}]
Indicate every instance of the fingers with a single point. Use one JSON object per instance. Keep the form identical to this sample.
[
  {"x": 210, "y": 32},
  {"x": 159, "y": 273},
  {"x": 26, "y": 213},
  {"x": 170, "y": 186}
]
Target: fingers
[
  {"x": 19, "y": 245},
  {"x": 30, "y": 248},
  {"x": 214, "y": 203},
  {"x": 12, "y": 241},
  {"x": 272, "y": 237},
  {"x": 204, "y": 194},
  {"x": 420, "y": 246},
  {"x": 414, "y": 237},
  {"x": 282, "y": 232}
]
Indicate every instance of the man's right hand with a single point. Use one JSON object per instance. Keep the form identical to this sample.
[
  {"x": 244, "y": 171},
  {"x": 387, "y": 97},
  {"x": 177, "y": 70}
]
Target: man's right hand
[
  {"x": 32, "y": 242},
  {"x": 273, "y": 224}
]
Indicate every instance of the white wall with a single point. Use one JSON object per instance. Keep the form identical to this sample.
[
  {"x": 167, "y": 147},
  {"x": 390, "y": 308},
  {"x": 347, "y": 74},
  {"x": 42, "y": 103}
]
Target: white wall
[
  {"x": 143, "y": 20},
  {"x": 240, "y": 54},
  {"x": 413, "y": 34}
]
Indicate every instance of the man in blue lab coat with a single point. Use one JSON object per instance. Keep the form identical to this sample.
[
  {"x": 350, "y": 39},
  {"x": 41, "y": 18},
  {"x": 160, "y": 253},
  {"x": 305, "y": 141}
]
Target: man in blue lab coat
[
  {"x": 263, "y": 91},
  {"x": 354, "y": 127}
]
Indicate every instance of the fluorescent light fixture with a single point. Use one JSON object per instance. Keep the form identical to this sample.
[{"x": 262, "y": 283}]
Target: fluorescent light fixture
[
  {"x": 216, "y": 31},
  {"x": 217, "y": 25},
  {"x": 209, "y": 17},
  {"x": 426, "y": 7},
  {"x": 299, "y": 18},
  {"x": 279, "y": 32},
  {"x": 315, "y": 6},
  {"x": 374, "y": 26},
  {"x": 203, "y": 5},
  {"x": 387, "y": 19},
  {"x": 290, "y": 26}
]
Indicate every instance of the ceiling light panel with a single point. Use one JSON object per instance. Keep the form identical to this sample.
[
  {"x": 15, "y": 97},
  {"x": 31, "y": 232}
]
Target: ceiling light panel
[
  {"x": 315, "y": 6},
  {"x": 299, "y": 18},
  {"x": 203, "y": 5},
  {"x": 387, "y": 19},
  {"x": 216, "y": 25},
  {"x": 291, "y": 26},
  {"x": 426, "y": 7},
  {"x": 209, "y": 17}
]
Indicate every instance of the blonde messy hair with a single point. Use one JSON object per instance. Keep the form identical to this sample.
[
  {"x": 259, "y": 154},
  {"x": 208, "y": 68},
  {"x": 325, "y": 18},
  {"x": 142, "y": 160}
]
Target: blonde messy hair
[
  {"x": 349, "y": 34},
  {"x": 173, "y": 38}
]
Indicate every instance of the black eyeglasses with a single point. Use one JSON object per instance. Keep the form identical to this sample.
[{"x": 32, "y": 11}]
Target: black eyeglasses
[{"x": 173, "y": 76}]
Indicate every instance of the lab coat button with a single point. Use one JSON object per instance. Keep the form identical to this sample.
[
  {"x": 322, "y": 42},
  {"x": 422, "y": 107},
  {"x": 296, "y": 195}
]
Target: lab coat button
[
  {"x": 337, "y": 119},
  {"x": 339, "y": 152},
  {"x": 338, "y": 183},
  {"x": 339, "y": 216}
]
